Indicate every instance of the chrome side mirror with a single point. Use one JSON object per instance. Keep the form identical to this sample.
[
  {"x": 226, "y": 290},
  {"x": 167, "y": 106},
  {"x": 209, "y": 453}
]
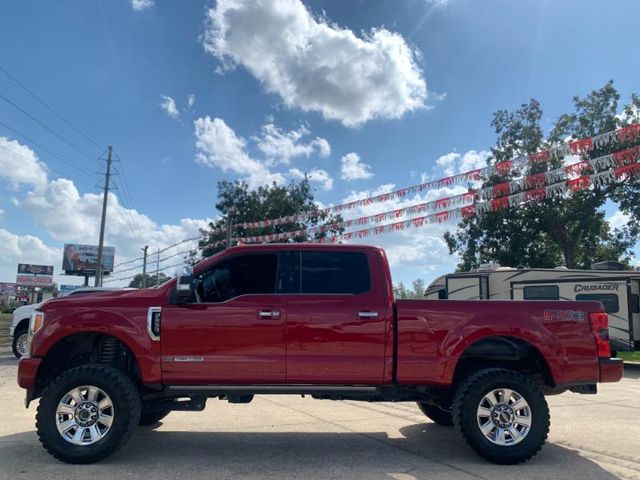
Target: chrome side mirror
[{"x": 184, "y": 285}]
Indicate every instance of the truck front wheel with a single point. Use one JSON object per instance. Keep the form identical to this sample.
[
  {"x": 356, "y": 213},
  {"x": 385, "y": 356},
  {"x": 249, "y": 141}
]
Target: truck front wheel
[
  {"x": 439, "y": 415},
  {"x": 87, "y": 413},
  {"x": 502, "y": 415}
]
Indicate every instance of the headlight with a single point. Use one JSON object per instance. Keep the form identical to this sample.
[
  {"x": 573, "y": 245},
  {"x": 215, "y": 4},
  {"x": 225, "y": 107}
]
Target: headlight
[{"x": 36, "y": 322}]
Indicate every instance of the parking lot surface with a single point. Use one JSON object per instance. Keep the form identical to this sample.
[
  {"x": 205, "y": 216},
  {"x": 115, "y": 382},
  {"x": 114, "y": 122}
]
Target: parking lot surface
[{"x": 282, "y": 437}]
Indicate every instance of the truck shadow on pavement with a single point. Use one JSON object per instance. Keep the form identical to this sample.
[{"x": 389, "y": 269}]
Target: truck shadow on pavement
[{"x": 417, "y": 451}]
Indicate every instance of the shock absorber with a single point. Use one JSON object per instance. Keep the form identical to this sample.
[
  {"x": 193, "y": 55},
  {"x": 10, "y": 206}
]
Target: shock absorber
[{"x": 109, "y": 351}]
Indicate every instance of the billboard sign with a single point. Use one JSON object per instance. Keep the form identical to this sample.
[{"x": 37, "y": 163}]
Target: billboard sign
[
  {"x": 83, "y": 259},
  {"x": 30, "y": 275},
  {"x": 7, "y": 288}
]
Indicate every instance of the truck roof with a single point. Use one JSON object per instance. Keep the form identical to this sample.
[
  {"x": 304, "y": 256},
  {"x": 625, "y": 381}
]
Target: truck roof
[{"x": 301, "y": 246}]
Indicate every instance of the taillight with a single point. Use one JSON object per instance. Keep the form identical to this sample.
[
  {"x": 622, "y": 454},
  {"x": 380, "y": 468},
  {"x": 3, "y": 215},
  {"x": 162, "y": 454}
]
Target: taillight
[{"x": 600, "y": 330}]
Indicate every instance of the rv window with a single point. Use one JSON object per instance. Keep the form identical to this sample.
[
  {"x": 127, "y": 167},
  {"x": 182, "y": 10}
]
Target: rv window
[
  {"x": 609, "y": 300},
  {"x": 542, "y": 292},
  {"x": 442, "y": 294},
  {"x": 635, "y": 303}
]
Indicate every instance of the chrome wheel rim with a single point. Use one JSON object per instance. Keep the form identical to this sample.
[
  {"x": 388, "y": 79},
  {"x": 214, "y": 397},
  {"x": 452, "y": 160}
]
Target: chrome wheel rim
[
  {"x": 84, "y": 415},
  {"x": 21, "y": 344},
  {"x": 504, "y": 417}
]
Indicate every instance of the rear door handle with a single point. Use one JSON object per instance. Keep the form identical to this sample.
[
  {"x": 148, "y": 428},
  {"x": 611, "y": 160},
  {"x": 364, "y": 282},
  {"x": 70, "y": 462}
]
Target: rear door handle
[
  {"x": 367, "y": 314},
  {"x": 269, "y": 314}
]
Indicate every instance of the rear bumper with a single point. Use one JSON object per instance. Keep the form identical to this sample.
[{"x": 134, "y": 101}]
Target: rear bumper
[
  {"x": 27, "y": 372},
  {"x": 611, "y": 369}
]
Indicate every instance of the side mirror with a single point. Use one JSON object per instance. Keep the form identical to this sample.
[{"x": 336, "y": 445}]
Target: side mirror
[{"x": 184, "y": 286}]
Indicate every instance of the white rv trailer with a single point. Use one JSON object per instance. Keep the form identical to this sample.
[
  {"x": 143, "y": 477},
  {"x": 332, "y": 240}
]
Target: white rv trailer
[{"x": 618, "y": 290}]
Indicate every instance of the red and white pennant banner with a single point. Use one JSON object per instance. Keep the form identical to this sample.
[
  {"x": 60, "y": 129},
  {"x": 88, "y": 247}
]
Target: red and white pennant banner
[
  {"x": 584, "y": 145},
  {"x": 618, "y": 174},
  {"x": 529, "y": 185}
]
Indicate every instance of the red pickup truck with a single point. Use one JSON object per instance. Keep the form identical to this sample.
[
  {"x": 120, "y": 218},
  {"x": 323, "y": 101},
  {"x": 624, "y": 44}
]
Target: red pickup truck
[{"x": 305, "y": 319}]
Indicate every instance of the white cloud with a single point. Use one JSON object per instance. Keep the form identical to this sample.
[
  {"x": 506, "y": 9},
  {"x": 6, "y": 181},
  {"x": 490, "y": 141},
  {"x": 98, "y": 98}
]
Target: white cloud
[
  {"x": 19, "y": 165},
  {"x": 279, "y": 146},
  {"x": 140, "y": 5},
  {"x": 453, "y": 163},
  {"x": 314, "y": 65},
  {"x": 16, "y": 249},
  {"x": 219, "y": 146},
  {"x": 447, "y": 162},
  {"x": 619, "y": 219},
  {"x": 2, "y": 213},
  {"x": 353, "y": 169},
  {"x": 191, "y": 100},
  {"x": 316, "y": 175},
  {"x": 168, "y": 104}
]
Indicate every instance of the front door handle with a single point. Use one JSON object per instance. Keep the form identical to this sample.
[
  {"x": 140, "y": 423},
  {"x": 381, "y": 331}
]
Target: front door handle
[
  {"x": 269, "y": 314},
  {"x": 367, "y": 314}
]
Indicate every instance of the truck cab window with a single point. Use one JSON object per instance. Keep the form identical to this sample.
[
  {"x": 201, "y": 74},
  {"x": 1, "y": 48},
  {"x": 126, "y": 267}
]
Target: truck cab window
[
  {"x": 238, "y": 275},
  {"x": 335, "y": 272}
]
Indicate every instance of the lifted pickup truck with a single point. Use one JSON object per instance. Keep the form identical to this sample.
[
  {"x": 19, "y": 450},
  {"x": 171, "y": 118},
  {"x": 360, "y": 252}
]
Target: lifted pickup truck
[{"x": 305, "y": 319}]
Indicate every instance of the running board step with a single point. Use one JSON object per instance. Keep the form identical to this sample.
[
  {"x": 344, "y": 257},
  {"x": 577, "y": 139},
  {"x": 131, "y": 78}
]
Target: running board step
[{"x": 270, "y": 389}]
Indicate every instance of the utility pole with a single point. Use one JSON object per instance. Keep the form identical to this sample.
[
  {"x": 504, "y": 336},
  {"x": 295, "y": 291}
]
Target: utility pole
[
  {"x": 103, "y": 220},
  {"x": 144, "y": 267}
]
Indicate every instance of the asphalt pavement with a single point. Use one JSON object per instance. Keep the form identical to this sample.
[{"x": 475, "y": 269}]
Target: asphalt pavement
[{"x": 283, "y": 437}]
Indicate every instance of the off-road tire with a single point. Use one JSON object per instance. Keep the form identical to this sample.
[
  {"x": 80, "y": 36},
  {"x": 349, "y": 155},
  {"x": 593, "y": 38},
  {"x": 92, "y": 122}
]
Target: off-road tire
[
  {"x": 152, "y": 417},
  {"x": 126, "y": 404},
  {"x": 16, "y": 336},
  {"x": 465, "y": 406},
  {"x": 437, "y": 414}
]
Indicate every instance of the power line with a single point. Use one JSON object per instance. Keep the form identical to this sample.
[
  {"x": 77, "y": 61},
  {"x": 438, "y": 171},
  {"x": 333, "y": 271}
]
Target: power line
[
  {"x": 35, "y": 144},
  {"x": 50, "y": 108},
  {"x": 46, "y": 127}
]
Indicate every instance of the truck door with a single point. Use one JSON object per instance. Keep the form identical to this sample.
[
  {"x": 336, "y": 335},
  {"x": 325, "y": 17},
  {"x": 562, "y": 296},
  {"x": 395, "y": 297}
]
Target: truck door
[
  {"x": 338, "y": 325},
  {"x": 234, "y": 331}
]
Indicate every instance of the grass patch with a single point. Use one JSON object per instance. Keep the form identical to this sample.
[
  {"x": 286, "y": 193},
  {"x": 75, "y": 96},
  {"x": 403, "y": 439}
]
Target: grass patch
[
  {"x": 630, "y": 356},
  {"x": 5, "y": 323}
]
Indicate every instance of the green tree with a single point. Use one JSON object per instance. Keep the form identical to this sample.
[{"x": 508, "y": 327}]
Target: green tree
[
  {"x": 400, "y": 291},
  {"x": 418, "y": 288},
  {"x": 241, "y": 204},
  {"x": 570, "y": 231},
  {"x": 152, "y": 280}
]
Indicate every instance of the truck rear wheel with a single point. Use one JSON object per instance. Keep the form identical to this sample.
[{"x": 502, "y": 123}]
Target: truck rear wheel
[
  {"x": 87, "y": 413},
  {"x": 502, "y": 415},
  {"x": 439, "y": 415}
]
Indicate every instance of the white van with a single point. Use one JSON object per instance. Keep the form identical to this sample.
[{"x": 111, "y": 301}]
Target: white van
[{"x": 618, "y": 290}]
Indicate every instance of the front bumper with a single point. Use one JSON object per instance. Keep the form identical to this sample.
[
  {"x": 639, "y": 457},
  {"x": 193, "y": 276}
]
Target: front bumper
[{"x": 611, "y": 369}]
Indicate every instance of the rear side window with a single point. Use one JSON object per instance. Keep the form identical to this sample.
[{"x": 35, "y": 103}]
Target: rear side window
[
  {"x": 335, "y": 272},
  {"x": 542, "y": 292},
  {"x": 609, "y": 300}
]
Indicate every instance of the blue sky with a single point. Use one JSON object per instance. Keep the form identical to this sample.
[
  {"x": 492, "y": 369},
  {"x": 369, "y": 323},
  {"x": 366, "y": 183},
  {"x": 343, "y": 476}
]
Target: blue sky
[{"x": 105, "y": 66}]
